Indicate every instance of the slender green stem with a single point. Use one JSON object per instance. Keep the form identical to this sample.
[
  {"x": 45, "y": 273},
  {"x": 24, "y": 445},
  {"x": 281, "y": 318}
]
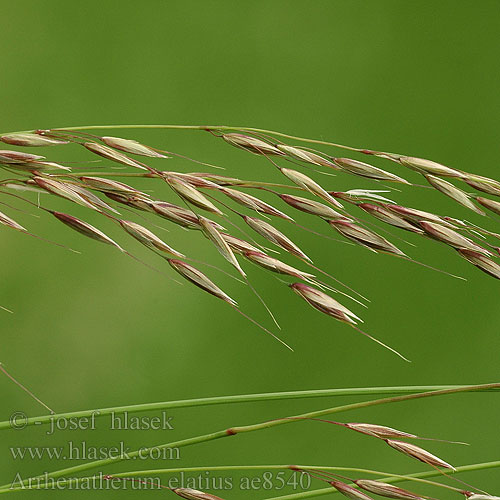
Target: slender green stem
[
  {"x": 144, "y": 452},
  {"x": 222, "y": 128},
  {"x": 144, "y": 474},
  {"x": 240, "y": 398}
]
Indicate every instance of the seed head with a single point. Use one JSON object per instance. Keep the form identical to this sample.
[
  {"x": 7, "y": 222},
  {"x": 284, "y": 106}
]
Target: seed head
[
  {"x": 191, "y": 494},
  {"x": 9, "y": 157},
  {"x": 191, "y": 194},
  {"x": 380, "y": 431},
  {"x": 312, "y": 207},
  {"x": 359, "y": 195},
  {"x": 385, "y": 215},
  {"x": 112, "y": 154},
  {"x": 476, "y": 496},
  {"x": 492, "y": 205},
  {"x": 414, "y": 215},
  {"x": 254, "y": 203},
  {"x": 38, "y": 165},
  {"x": 484, "y": 184},
  {"x": 386, "y": 490},
  {"x": 308, "y": 184},
  {"x": 275, "y": 265},
  {"x": 30, "y": 140},
  {"x": 324, "y": 303},
  {"x": 147, "y": 238},
  {"x": 200, "y": 280},
  {"x": 451, "y": 237},
  {"x": 429, "y": 167},
  {"x": 252, "y": 144},
  {"x": 131, "y": 146},
  {"x": 306, "y": 156},
  {"x": 238, "y": 245},
  {"x": 139, "y": 201},
  {"x": 365, "y": 170},
  {"x": 109, "y": 185},
  {"x": 220, "y": 243},
  {"x": 349, "y": 491},
  {"x": 63, "y": 190},
  {"x": 482, "y": 262},
  {"x": 365, "y": 237},
  {"x": 272, "y": 234},
  {"x": 414, "y": 451},
  {"x": 453, "y": 192},
  {"x": 193, "y": 180},
  {"x": 85, "y": 229},
  {"x": 7, "y": 221},
  {"x": 180, "y": 215}
]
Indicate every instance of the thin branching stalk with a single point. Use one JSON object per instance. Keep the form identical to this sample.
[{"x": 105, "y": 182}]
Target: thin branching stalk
[{"x": 233, "y": 431}]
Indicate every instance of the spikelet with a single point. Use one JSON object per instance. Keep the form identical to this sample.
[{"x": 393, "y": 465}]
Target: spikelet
[
  {"x": 200, "y": 280},
  {"x": 85, "y": 228},
  {"x": 306, "y": 156},
  {"x": 312, "y": 207},
  {"x": 30, "y": 140},
  {"x": 131, "y": 146},
  {"x": 365, "y": 170},
  {"x": 251, "y": 144},
  {"x": 147, "y": 238},
  {"x": 220, "y": 243},
  {"x": 308, "y": 184},
  {"x": 254, "y": 203},
  {"x": 365, "y": 237},
  {"x": 191, "y": 194},
  {"x": 429, "y": 167},
  {"x": 418, "y": 453},
  {"x": 7, "y": 221},
  {"x": 453, "y": 192},
  {"x": 269, "y": 232}
]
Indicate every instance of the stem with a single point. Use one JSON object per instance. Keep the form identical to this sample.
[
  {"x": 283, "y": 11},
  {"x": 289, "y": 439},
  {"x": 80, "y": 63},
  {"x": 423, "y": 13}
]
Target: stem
[
  {"x": 386, "y": 476},
  {"x": 206, "y": 127},
  {"x": 240, "y": 398},
  {"x": 142, "y": 453}
]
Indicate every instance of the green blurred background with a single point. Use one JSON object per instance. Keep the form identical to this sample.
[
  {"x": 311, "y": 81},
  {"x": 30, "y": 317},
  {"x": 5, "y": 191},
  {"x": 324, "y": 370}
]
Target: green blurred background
[{"x": 98, "y": 329}]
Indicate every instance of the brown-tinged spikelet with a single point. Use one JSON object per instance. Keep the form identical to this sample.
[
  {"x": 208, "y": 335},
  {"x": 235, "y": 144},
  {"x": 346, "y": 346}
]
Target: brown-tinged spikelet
[
  {"x": 191, "y": 494},
  {"x": 429, "y": 167},
  {"x": 30, "y": 140},
  {"x": 272, "y": 234},
  {"x": 131, "y": 146},
  {"x": 7, "y": 221},
  {"x": 191, "y": 194},
  {"x": 385, "y": 215},
  {"x": 380, "y": 431},
  {"x": 306, "y": 156},
  {"x": 252, "y": 144},
  {"x": 254, "y": 203},
  {"x": 349, "y": 491},
  {"x": 386, "y": 490},
  {"x": 312, "y": 207},
  {"x": 365, "y": 237},
  {"x": 112, "y": 154},
  {"x": 451, "y": 237},
  {"x": 147, "y": 238},
  {"x": 365, "y": 170},
  {"x": 418, "y": 453},
  {"x": 453, "y": 192},
  {"x": 85, "y": 228},
  {"x": 482, "y": 262},
  {"x": 310, "y": 185},
  {"x": 200, "y": 280}
]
